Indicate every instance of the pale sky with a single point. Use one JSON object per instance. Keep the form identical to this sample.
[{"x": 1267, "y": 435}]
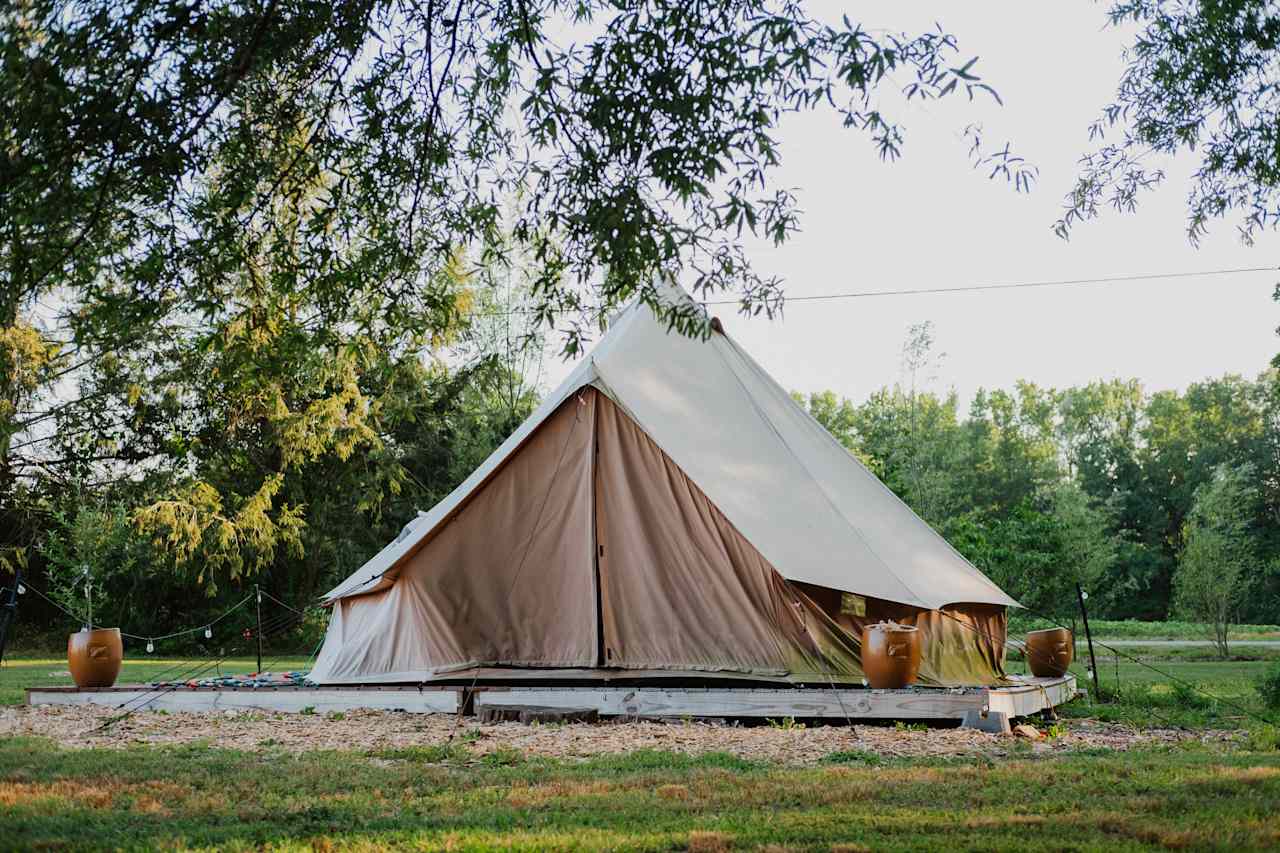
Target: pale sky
[{"x": 929, "y": 220}]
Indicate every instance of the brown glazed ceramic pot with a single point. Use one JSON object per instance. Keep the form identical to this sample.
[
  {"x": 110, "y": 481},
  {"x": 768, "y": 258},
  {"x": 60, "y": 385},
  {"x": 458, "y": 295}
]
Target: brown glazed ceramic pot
[
  {"x": 94, "y": 657},
  {"x": 890, "y": 655},
  {"x": 1050, "y": 652}
]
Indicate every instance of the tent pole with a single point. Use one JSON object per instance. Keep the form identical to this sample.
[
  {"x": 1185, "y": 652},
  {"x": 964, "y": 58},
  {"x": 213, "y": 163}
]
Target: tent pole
[
  {"x": 258, "y": 593},
  {"x": 9, "y": 611},
  {"x": 1093, "y": 664}
]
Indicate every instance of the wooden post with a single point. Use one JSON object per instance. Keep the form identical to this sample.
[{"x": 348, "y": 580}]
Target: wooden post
[
  {"x": 1093, "y": 664},
  {"x": 258, "y": 593}
]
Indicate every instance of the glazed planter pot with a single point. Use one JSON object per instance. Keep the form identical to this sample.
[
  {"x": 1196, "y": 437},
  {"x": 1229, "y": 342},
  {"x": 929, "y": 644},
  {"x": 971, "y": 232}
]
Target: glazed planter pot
[
  {"x": 1050, "y": 652},
  {"x": 94, "y": 657},
  {"x": 890, "y": 655}
]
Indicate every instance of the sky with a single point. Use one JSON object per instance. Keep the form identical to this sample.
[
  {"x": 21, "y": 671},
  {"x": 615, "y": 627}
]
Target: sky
[{"x": 930, "y": 220}]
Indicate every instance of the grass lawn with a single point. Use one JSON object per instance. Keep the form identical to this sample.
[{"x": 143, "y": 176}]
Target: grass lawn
[
  {"x": 46, "y": 670},
  {"x": 1188, "y": 796},
  {"x": 181, "y": 798}
]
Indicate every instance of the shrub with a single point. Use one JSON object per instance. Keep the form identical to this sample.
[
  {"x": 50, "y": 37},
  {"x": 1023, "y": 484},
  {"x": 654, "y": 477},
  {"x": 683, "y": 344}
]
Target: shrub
[
  {"x": 434, "y": 753},
  {"x": 852, "y": 756},
  {"x": 786, "y": 723},
  {"x": 1264, "y": 739},
  {"x": 503, "y": 756},
  {"x": 1186, "y": 696},
  {"x": 1269, "y": 687}
]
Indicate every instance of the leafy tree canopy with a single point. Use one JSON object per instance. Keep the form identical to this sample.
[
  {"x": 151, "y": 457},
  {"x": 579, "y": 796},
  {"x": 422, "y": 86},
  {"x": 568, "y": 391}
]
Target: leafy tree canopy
[
  {"x": 1201, "y": 80},
  {"x": 642, "y": 134}
]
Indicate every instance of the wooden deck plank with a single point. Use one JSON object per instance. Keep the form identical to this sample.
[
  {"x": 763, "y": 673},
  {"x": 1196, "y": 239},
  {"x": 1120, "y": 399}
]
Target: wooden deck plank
[
  {"x": 1034, "y": 695},
  {"x": 322, "y": 700}
]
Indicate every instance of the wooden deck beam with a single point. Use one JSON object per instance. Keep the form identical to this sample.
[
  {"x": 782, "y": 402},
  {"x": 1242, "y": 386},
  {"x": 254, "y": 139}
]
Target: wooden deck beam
[{"x": 1027, "y": 697}]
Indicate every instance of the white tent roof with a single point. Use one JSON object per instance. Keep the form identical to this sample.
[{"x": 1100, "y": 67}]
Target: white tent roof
[{"x": 805, "y": 503}]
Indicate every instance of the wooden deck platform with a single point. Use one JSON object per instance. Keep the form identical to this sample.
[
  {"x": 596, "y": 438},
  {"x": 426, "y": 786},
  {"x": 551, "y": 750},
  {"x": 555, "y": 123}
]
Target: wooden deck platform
[{"x": 1028, "y": 696}]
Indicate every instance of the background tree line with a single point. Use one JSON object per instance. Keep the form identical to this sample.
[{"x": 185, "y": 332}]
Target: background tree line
[
  {"x": 255, "y": 446},
  {"x": 1161, "y": 504},
  {"x": 250, "y": 253}
]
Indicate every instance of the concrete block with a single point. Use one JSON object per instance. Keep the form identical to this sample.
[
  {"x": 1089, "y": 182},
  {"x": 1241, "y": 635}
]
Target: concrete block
[{"x": 995, "y": 722}]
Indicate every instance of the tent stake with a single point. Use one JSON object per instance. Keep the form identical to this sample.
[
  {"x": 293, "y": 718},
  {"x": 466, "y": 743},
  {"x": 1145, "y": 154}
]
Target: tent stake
[{"x": 1093, "y": 664}]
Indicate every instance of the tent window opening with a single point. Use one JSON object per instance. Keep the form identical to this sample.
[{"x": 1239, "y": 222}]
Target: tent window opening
[{"x": 852, "y": 605}]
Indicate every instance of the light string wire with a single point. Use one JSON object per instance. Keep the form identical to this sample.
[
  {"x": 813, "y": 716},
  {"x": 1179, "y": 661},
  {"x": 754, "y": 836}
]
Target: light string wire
[
  {"x": 179, "y": 674},
  {"x": 204, "y": 626}
]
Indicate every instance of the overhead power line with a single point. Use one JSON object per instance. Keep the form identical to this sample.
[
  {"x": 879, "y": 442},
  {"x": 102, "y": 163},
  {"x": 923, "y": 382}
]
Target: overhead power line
[
  {"x": 974, "y": 288},
  {"x": 964, "y": 288}
]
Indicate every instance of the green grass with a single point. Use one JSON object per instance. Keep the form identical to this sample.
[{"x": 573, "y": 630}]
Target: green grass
[
  {"x": 444, "y": 796},
  {"x": 140, "y": 798},
  {"x": 1133, "y": 629},
  {"x": 49, "y": 671}
]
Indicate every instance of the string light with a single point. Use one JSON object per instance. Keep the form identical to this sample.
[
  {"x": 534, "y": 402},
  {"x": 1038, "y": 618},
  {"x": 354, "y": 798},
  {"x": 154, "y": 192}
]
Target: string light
[
  {"x": 151, "y": 646},
  {"x": 208, "y": 632},
  {"x": 22, "y": 589}
]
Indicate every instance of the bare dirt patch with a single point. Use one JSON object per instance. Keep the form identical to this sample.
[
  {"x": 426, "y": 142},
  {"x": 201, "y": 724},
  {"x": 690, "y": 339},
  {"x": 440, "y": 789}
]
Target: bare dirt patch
[{"x": 373, "y": 731}]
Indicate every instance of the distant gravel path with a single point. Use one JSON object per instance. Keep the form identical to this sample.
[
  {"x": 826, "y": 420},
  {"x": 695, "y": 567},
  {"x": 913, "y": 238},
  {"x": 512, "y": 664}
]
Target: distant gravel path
[{"x": 1080, "y": 640}]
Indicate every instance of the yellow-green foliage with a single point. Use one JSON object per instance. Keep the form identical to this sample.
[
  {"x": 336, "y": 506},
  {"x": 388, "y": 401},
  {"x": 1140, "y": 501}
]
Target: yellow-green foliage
[
  {"x": 26, "y": 359},
  {"x": 195, "y": 523}
]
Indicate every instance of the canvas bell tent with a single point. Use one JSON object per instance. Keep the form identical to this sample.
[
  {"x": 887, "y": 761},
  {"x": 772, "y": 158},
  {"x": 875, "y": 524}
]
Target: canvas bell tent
[{"x": 668, "y": 511}]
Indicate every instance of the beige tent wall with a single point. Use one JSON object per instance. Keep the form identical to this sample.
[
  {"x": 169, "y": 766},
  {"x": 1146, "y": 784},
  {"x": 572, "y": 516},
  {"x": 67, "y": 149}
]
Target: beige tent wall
[
  {"x": 509, "y": 580},
  {"x": 681, "y": 588},
  {"x": 962, "y": 644}
]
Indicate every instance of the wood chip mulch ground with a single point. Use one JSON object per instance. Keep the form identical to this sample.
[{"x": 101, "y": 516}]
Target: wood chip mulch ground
[{"x": 373, "y": 731}]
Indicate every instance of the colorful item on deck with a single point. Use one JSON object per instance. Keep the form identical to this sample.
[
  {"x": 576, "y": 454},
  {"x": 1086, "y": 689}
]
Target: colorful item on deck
[{"x": 293, "y": 678}]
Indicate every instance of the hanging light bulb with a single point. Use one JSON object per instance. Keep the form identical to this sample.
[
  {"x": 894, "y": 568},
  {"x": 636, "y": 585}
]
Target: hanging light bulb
[
  {"x": 1084, "y": 595},
  {"x": 208, "y": 632},
  {"x": 22, "y": 589},
  {"x": 151, "y": 646}
]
